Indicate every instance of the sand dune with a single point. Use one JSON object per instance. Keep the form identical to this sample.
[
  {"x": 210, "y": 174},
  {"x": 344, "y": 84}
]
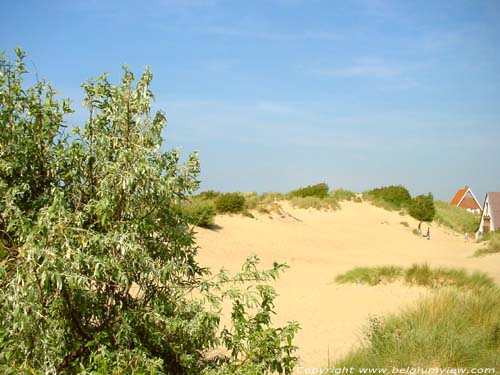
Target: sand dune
[{"x": 318, "y": 245}]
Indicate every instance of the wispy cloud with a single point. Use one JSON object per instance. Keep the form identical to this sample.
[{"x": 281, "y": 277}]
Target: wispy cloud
[{"x": 271, "y": 35}]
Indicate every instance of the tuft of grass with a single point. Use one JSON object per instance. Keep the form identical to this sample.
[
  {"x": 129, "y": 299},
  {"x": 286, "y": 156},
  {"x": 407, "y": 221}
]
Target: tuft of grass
[
  {"x": 405, "y": 224},
  {"x": 451, "y": 328},
  {"x": 315, "y": 202},
  {"x": 345, "y": 195},
  {"x": 371, "y": 275},
  {"x": 418, "y": 274},
  {"x": 456, "y": 218},
  {"x": 492, "y": 246},
  {"x": 423, "y": 275}
]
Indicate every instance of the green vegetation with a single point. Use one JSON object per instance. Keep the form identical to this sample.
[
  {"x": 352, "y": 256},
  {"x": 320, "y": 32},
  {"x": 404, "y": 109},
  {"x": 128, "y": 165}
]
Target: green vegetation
[
  {"x": 319, "y": 191},
  {"x": 344, "y": 195},
  {"x": 456, "y": 218},
  {"x": 458, "y": 326},
  {"x": 315, "y": 202},
  {"x": 389, "y": 197},
  {"x": 200, "y": 212},
  {"x": 422, "y": 208},
  {"x": 451, "y": 328},
  {"x": 492, "y": 246},
  {"x": 230, "y": 203},
  {"x": 371, "y": 275},
  {"x": 420, "y": 275},
  {"x": 98, "y": 270}
]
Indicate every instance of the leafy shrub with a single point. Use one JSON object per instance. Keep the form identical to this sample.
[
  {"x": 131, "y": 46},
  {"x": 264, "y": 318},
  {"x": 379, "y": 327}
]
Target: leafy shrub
[
  {"x": 422, "y": 208},
  {"x": 318, "y": 191},
  {"x": 344, "y": 195},
  {"x": 230, "y": 203},
  {"x": 456, "y": 218},
  {"x": 395, "y": 197},
  {"x": 99, "y": 266},
  {"x": 200, "y": 212}
]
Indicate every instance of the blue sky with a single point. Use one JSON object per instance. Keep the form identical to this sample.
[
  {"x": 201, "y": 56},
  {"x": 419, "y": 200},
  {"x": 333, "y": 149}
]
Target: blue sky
[{"x": 278, "y": 94}]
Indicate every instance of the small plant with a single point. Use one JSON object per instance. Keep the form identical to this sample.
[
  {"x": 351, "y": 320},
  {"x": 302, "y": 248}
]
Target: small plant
[
  {"x": 405, "y": 224},
  {"x": 318, "y": 191},
  {"x": 230, "y": 203}
]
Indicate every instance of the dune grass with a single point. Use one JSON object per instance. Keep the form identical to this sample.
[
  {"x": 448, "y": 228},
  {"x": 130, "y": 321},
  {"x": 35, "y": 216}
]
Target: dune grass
[
  {"x": 451, "y": 328},
  {"x": 491, "y": 247},
  {"x": 315, "y": 202},
  {"x": 371, "y": 275},
  {"x": 418, "y": 274},
  {"x": 456, "y": 218},
  {"x": 457, "y": 326},
  {"x": 341, "y": 195}
]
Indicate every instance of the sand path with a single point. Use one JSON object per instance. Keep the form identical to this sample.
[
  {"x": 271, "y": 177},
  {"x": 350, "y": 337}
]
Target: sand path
[{"x": 320, "y": 245}]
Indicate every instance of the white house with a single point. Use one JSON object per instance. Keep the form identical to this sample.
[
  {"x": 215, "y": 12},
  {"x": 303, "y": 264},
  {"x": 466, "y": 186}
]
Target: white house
[{"x": 490, "y": 219}]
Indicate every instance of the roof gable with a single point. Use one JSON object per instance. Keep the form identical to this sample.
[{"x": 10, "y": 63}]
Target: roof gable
[{"x": 465, "y": 194}]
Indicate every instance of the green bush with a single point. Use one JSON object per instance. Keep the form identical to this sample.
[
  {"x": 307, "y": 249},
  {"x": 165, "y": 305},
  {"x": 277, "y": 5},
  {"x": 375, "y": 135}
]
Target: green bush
[
  {"x": 230, "y": 203},
  {"x": 422, "y": 208},
  {"x": 318, "y": 191},
  {"x": 200, "y": 212},
  {"x": 456, "y": 218},
  {"x": 390, "y": 197},
  {"x": 98, "y": 264}
]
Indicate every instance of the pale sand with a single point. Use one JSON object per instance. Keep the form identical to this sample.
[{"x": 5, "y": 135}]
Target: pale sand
[{"x": 320, "y": 246}]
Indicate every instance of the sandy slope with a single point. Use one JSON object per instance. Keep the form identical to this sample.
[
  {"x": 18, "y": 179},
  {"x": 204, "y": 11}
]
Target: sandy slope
[{"x": 318, "y": 246}]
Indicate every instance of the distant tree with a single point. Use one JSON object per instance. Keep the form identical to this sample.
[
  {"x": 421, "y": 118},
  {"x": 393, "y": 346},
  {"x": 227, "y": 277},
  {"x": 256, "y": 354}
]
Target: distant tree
[
  {"x": 422, "y": 208},
  {"x": 98, "y": 273}
]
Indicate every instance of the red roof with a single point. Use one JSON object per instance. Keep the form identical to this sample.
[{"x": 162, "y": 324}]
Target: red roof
[
  {"x": 458, "y": 196},
  {"x": 465, "y": 200}
]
